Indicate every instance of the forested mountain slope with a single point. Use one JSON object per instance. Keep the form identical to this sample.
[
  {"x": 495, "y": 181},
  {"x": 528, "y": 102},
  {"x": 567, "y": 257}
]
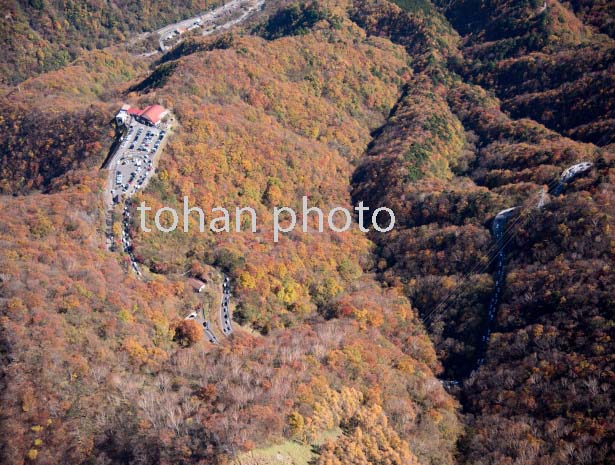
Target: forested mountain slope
[
  {"x": 448, "y": 160},
  {"x": 60, "y": 122},
  {"x": 96, "y": 367},
  {"x": 542, "y": 61},
  {"x": 446, "y": 113},
  {"x": 44, "y": 35}
]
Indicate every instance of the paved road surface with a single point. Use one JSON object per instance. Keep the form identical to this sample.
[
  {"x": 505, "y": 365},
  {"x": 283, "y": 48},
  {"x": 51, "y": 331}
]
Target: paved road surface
[
  {"x": 225, "y": 312},
  {"x": 126, "y": 244},
  {"x": 130, "y": 169},
  {"x": 133, "y": 163},
  {"x": 199, "y": 317},
  {"x": 223, "y": 17},
  {"x": 570, "y": 174},
  {"x": 498, "y": 230},
  {"x": 225, "y": 315}
]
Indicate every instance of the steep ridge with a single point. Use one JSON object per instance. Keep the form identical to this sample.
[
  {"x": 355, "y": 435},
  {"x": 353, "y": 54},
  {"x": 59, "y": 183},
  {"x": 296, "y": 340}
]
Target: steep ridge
[
  {"x": 542, "y": 62},
  {"x": 447, "y": 161}
]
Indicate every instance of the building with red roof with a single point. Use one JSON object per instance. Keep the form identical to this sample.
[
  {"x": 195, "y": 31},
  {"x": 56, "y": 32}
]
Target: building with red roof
[
  {"x": 197, "y": 284},
  {"x": 151, "y": 115}
]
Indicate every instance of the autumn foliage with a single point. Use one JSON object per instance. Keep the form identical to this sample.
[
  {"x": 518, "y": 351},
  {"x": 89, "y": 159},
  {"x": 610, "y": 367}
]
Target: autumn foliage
[{"x": 446, "y": 115}]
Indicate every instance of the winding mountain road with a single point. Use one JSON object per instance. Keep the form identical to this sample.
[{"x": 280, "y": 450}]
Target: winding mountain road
[
  {"x": 570, "y": 174},
  {"x": 231, "y": 13},
  {"x": 498, "y": 230},
  {"x": 126, "y": 238},
  {"x": 225, "y": 316},
  {"x": 200, "y": 318}
]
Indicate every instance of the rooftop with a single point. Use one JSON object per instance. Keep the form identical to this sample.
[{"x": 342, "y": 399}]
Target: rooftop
[{"x": 152, "y": 113}]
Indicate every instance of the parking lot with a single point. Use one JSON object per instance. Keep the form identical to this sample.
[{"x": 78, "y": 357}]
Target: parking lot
[{"x": 133, "y": 163}]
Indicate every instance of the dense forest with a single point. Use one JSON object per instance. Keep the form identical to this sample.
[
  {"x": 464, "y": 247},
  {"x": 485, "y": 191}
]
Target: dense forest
[
  {"x": 449, "y": 159},
  {"x": 45, "y": 35},
  {"x": 543, "y": 62},
  {"x": 348, "y": 348}
]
